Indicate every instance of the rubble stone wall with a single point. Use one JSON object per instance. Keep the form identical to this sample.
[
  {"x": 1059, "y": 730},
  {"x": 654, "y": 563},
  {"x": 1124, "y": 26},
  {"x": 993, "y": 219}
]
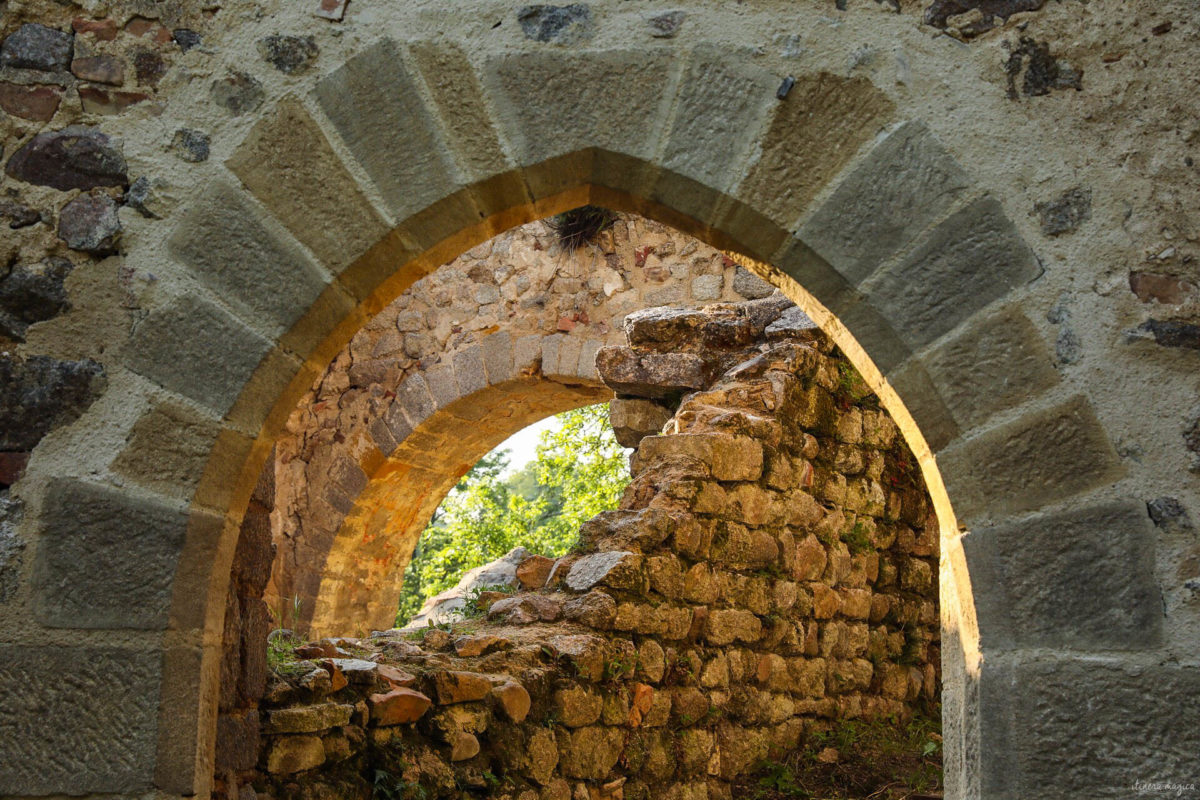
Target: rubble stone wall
[{"x": 772, "y": 567}]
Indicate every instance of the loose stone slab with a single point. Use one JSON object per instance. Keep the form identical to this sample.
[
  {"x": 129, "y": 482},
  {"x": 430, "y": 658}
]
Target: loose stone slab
[{"x": 77, "y": 719}]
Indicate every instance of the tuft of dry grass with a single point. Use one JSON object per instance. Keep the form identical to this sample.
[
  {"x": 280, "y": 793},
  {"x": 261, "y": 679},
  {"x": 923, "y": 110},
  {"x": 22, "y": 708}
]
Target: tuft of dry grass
[{"x": 577, "y": 227}]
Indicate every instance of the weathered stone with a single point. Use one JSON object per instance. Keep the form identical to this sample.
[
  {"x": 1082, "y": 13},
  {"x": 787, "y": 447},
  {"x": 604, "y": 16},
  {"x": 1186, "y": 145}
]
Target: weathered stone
[
  {"x": 688, "y": 329},
  {"x": 96, "y": 718},
  {"x": 533, "y": 571},
  {"x": 379, "y": 120},
  {"x": 100, "y": 69},
  {"x": 464, "y": 746},
  {"x": 749, "y": 285},
  {"x": 76, "y": 157},
  {"x": 725, "y": 626},
  {"x": 1066, "y": 212},
  {"x": 1042, "y": 457},
  {"x": 666, "y": 25},
  {"x": 716, "y": 103},
  {"x": 1148, "y": 286},
  {"x": 654, "y": 375},
  {"x": 708, "y": 287},
  {"x": 1033, "y": 713},
  {"x": 108, "y": 101},
  {"x": 105, "y": 560},
  {"x": 12, "y": 546},
  {"x": 308, "y": 719},
  {"x": 976, "y": 370},
  {"x": 577, "y": 707},
  {"x": 1039, "y": 70},
  {"x": 290, "y": 55},
  {"x": 291, "y": 754},
  {"x": 477, "y": 645},
  {"x": 398, "y": 707},
  {"x": 617, "y": 568},
  {"x": 590, "y": 753},
  {"x": 1169, "y": 515},
  {"x": 168, "y": 448},
  {"x": 601, "y": 99},
  {"x": 729, "y": 458},
  {"x": 256, "y": 267},
  {"x": 1082, "y": 579},
  {"x": 37, "y": 103},
  {"x": 194, "y": 348},
  {"x": 970, "y": 260},
  {"x": 90, "y": 223},
  {"x": 513, "y": 700},
  {"x": 32, "y": 294},
  {"x": 1172, "y": 333},
  {"x": 34, "y": 46},
  {"x": 594, "y": 609},
  {"x": 186, "y": 38},
  {"x": 813, "y": 133},
  {"x": 559, "y": 24},
  {"x": 461, "y": 687},
  {"x": 237, "y": 741},
  {"x": 237, "y": 93},
  {"x": 904, "y": 185},
  {"x": 39, "y": 394},
  {"x": 190, "y": 145}
]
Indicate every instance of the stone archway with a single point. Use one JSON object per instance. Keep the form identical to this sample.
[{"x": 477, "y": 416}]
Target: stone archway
[
  {"x": 1051, "y": 605},
  {"x": 500, "y": 337}
]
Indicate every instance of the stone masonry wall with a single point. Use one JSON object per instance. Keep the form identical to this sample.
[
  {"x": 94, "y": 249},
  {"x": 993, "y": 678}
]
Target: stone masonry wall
[{"x": 770, "y": 569}]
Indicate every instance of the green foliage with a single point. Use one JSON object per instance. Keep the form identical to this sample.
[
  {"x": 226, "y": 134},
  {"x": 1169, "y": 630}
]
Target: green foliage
[
  {"x": 473, "y": 609},
  {"x": 390, "y": 787},
  {"x": 580, "y": 470}
]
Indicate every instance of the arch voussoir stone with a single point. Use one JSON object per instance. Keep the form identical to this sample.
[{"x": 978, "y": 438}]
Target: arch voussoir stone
[
  {"x": 221, "y": 234},
  {"x": 1081, "y": 579},
  {"x": 289, "y": 165},
  {"x": 900, "y": 188},
  {"x": 373, "y": 102},
  {"x": 968, "y": 261},
  {"x": 1039, "y": 459},
  {"x": 197, "y": 349},
  {"x": 106, "y": 558},
  {"x": 550, "y": 103}
]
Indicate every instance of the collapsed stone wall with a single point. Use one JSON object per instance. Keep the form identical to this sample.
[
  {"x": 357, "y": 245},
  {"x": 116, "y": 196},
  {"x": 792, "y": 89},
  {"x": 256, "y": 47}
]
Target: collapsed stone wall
[{"x": 770, "y": 569}]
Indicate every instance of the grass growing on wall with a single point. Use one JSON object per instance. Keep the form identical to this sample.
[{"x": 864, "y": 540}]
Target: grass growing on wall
[{"x": 579, "y": 471}]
